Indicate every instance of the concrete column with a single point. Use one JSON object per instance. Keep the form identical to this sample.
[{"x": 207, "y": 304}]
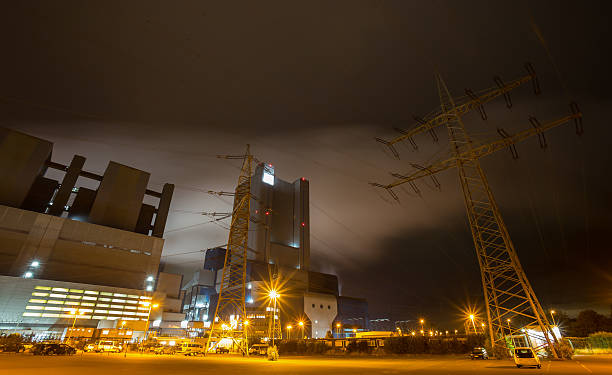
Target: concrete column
[
  {"x": 162, "y": 210},
  {"x": 38, "y": 245},
  {"x": 70, "y": 178}
]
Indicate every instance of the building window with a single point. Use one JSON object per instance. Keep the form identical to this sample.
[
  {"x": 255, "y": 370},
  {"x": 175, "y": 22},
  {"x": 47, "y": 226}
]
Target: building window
[
  {"x": 268, "y": 174},
  {"x": 321, "y": 306},
  {"x": 313, "y": 305}
]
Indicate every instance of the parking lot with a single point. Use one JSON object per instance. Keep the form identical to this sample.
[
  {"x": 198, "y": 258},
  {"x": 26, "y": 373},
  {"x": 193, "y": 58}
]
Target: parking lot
[{"x": 141, "y": 364}]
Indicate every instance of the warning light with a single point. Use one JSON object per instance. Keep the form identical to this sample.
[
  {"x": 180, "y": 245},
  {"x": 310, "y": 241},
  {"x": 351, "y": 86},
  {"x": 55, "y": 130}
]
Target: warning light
[
  {"x": 303, "y": 224},
  {"x": 269, "y": 165},
  {"x": 303, "y": 178},
  {"x": 256, "y": 211},
  {"x": 267, "y": 212}
]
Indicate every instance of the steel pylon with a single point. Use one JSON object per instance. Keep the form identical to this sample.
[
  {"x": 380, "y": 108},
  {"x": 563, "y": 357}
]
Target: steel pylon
[
  {"x": 230, "y": 313},
  {"x": 507, "y": 291}
]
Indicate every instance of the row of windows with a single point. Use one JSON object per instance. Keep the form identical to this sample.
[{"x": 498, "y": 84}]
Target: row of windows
[
  {"x": 70, "y": 316},
  {"x": 321, "y": 306},
  {"x": 89, "y": 304}
]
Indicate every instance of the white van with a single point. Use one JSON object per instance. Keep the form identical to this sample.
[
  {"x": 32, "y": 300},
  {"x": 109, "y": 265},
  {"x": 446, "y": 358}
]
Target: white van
[
  {"x": 108, "y": 346},
  {"x": 526, "y": 357},
  {"x": 190, "y": 348}
]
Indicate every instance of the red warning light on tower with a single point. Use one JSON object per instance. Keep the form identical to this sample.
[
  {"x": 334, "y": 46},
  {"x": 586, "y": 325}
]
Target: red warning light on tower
[{"x": 303, "y": 224}]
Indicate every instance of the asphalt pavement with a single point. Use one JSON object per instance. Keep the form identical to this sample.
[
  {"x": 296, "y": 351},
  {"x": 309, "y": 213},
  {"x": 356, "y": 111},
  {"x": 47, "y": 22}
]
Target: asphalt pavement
[{"x": 147, "y": 364}]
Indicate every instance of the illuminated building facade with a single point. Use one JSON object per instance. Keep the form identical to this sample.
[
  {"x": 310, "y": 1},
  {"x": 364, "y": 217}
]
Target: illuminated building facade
[{"x": 69, "y": 248}]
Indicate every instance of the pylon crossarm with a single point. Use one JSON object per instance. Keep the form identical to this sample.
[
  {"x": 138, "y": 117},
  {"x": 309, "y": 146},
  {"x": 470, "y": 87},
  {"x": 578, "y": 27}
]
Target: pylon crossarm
[
  {"x": 479, "y": 151},
  {"x": 464, "y": 105}
]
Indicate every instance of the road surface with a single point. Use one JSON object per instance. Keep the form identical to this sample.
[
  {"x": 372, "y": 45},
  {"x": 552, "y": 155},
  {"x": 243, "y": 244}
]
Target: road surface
[{"x": 136, "y": 364}]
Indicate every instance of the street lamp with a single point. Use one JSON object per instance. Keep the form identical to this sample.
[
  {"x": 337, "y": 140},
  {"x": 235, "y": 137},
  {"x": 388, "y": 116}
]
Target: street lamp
[
  {"x": 151, "y": 306},
  {"x": 274, "y": 295},
  {"x": 74, "y": 312},
  {"x": 289, "y": 331},
  {"x": 473, "y": 324},
  {"x": 552, "y": 316},
  {"x": 422, "y": 321},
  {"x": 509, "y": 328},
  {"x": 338, "y": 325},
  {"x": 355, "y": 332}
]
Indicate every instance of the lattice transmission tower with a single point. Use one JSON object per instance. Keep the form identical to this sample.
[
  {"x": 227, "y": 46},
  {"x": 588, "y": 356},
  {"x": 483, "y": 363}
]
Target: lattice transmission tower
[
  {"x": 230, "y": 315},
  {"x": 507, "y": 291}
]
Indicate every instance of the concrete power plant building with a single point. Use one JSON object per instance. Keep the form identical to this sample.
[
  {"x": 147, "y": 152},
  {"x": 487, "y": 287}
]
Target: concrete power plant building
[
  {"x": 279, "y": 255},
  {"x": 67, "y": 249}
]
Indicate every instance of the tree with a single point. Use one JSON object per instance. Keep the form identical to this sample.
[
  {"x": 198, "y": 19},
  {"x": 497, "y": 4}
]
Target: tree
[{"x": 587, "y": 322}]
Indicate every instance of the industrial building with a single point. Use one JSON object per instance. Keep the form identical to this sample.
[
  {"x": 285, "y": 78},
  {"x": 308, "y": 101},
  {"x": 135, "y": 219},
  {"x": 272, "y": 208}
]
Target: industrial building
[
  {"x": 69, "y": 249},
  {"x": 278, "y": 257},
  {"x": 71, "y": 253}
]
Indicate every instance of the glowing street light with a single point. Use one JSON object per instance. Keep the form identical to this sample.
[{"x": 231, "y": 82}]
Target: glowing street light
[
  {"x": 289, "y": 331},
  {"x": 274, "y": 295},
  {"x": 509, "y": 328},
  {"x": 422, "y": 321},
  {"x": 473, "y": 324},
  {"x": 413, "y": 333},
  {"x": 552, "y": 316},
  {"x": 74, "y": 312}
]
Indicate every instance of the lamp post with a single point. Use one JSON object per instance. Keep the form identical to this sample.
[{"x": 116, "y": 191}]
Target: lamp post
[
  {"x": 274, "y": 295},
  {"x": 509, "y": 328},
  {"x": 301, "y": 324},
  {"x": 151, "y": 306},
  {"x": 289, "y": 331},
  {"x": 338, "y": 325},
  {"x": 422, "y": 321},
  {"x": 552, "y": 316},
  {"x": 74, "y": 312},
  {"x": 473, "y": 324},
  {"x": 246, "y": 335},
  {"x": 123, "y": 338}
]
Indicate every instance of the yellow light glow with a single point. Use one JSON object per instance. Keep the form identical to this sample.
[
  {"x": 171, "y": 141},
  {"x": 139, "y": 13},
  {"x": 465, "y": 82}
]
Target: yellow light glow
[
  {"x": 301, "y": 324},
  {"x": 289, "y": 327},
  {"x": 273, "y": 294},
  {"x": 338, "y": 325}
]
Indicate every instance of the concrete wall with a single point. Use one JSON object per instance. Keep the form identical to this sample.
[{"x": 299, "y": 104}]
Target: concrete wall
[
  {"x": 287, "y": 224},
  {"x": 321, "y": 309},
  {"x": 75, "y": 251},
  {"x": 22, "y": 160},
  {"x": 119, "y": 198}
]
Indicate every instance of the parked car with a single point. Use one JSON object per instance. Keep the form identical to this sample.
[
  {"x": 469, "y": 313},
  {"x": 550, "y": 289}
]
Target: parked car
[
  {"x": 12, "y": 347},
  {"x": 526, "y": 357},
  {"x": 53, "y": 349},
  {"x": 165, "y": 349},
  {"x": 258, "y": 349},
  {"x": 108, "y": 346},
  {"x": 221, "y": 350},
  {"x": 90, "y": 347},
  {"x": 479, "y": 353}
]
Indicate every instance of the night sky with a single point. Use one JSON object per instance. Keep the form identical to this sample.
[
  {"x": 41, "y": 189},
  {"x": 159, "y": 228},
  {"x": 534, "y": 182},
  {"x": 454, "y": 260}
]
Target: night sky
[{"x": 165, "y": 86}]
